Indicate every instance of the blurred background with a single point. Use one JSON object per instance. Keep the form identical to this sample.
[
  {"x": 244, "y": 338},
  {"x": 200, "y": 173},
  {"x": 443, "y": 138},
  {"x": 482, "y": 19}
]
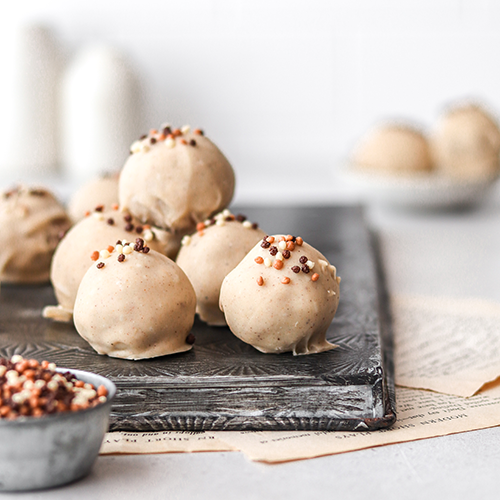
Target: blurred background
[{"x": 285, "y": 88}]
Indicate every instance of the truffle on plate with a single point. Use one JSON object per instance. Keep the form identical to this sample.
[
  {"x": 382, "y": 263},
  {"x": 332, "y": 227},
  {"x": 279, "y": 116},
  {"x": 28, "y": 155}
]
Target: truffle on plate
[
  {"x": 82, "y": 244},
  {"x": 282, "y": 297},
  {"x": 466, "y": 143},
  {"x": 175, "y": 178},
  {"x": 32, "y": 222},
  {"x": 211, "y": 253},
  {"x": 395, "y": 149},
  {"x": 134, "y": 303}
]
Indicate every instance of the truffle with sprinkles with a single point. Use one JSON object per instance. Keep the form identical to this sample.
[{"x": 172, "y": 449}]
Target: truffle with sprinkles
[
  {"x": 135, "y": 303},
  {"x": 282, "y": 297},
  {"x": 73, "y": 255},
  {"x": 175, "y": 178},
  {"x": 208, "y": 255}
]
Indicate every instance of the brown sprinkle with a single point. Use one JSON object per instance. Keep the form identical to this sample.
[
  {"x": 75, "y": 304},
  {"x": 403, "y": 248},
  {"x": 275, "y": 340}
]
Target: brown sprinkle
[
  {"x": 260, "y": 281},
  {"x": 259, "y": 260},
  {"x": 315, "y": 277},
  {"x": 145, "y": 250},
  {"x": 290, "y": 245},
  {"x": 110, "y": 221},
  {"x": 303, "y": 259},
  {"x": 296, "y": 269},
  {"x": 95, "y": 255},
  {"x": 270, "y": 239},
  {"x": 278, "y": 264},
  {"x": 305, "y": 268},
  {"x": 192, "y": 142},
  {"x": 129, "y": 227},
  {"x": 99, "y": 208},
  {"x": 100, "y": 265},
  {"x": 289, "y": 237},
  {"x": 299, "y": 241},
  {"x": 139, "y": 229},
  {"x": 127, "y": 218},
  {"x": 190, "y": 339},
  {"x": 121, "y": 257},
  {"x": 285, "y": 280},
  {"x": 286, "y": 254}
]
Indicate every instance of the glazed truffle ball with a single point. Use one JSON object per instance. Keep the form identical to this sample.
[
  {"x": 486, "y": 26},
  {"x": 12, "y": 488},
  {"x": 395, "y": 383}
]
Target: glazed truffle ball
[
  {"x": 209, "y": 255},
  {"x": 393, "y": 149},
  {"x": 282, "y": 297},
  {"x": 76, "y": 250},
  {"x": 32, "y": 222},
  {"x": 102, "y": 190},
  {"x": 466, "y": 143},
  {"x": 175, "y": 179},
  {"x": 135, "y": 304}
]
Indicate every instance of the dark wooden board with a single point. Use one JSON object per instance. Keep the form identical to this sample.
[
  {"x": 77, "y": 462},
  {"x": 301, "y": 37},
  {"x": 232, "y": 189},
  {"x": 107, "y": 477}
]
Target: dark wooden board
[{"x": 224, "y": 384}]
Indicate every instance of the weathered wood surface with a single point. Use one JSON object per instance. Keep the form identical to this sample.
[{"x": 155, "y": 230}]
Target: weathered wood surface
[{"x": 224, "y": 384}]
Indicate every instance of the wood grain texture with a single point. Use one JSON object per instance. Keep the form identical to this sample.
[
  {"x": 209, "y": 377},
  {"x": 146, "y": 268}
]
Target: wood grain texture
[{"x": 224, "y": 384}]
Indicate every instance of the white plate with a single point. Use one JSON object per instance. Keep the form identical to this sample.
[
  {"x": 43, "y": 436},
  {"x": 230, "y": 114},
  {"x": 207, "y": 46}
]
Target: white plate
[{"x": 426, "y": 191}]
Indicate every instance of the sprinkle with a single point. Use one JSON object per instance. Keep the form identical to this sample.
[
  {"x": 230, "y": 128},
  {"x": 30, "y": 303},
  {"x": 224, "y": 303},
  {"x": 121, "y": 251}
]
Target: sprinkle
[
  {"x": 110, "y": 221},
  {"x": 177, "y": 132},
  {"x": 99, "y": 208},
  {"x": 200, "y": 226},
  {"x": 259, "y": 260},
  {"x": 240, "y": 218},
  {"x": 170, "y": 143},
  {"x": 265, "y": 244},
  {"x": 279, "y": 256},
  {"x": 299, "y": 241},
  {"x": 190, "y": 339},
  {"x": 121, "y": 257},
  {"x": 145, "y": 250},
  {"x": 98, "y": 215},
  {"x": 289, "y": 237},
  {"x": 186, "y": 240},
  {"x": 260, "y": 281},
  {"x": 95, "y": 255},
  {"x": 127, "y": 249},
  {"x": 305, "y": 269},
  {"x": 220, "y": 222},
  {"x": 183, "y": 141},
  {"x": 303, "y": 259},
  {"x": 310, "y": 264},
  {"x": 278, "y": 264},
  {"x": 198, "y": 131},
  {"x": 185, "y": 129},
  {"x": 267, "y": 262},
  {"x": 129, "y": 227},
  {"x": 247, "y": 224},
  {"x": 119, "y": 248},
  {"x": 152, "y": 140},
  {"x": 273, "y": 250},
  {"x": 315, "y": 277},
  {"x": 286, "y": 254},
  {"x": 255, "y": 225},
  {"x": 290, "y": 245},
  {"x": 127, "y": 218},
  {"x": 104, "y": 254},
  {"x": 296, "y": 269},
  {"x": 282, "y": 245},
  {"x": 161, "y": 137},
  {"x": 135, "y": 147},
  {"x": 270, "y": 239},
  {"x": 144, "y": 148},
  {"x": 139, "y": 229},
  {"x": 100, "y": 265},
  {"x": 226, "y": 212},
  {"x": 192, "y": 142},
  {"x": 110, "y": 248},
  {"x": 285, "y": 280},
  {"x": 148, "y": 235},
  {"x": 87, "y": 213},
  {"x": 114, "y": 206}
]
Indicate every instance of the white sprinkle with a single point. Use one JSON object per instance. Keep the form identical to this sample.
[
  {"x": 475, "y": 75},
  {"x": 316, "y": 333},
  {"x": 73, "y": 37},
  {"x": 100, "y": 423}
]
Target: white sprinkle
[
  {"x": 185, "y": 129},
  {"x": 12, "y": 377},
  {"x": 226, "y": 213},
  {"x": 267, "y": 262},
  {"x": 98, "y": 215},
  {"x": 52, "y": 385},
  {"x": 136, "y": 147},
  {"x": 29, "y": 384},
  {"x": 170, "y": 143},
  {"x": 19, "y": 398},
  {"x": 279, "y": 256},
  {"x": 119, "y": 248},
  {"x": 40, "y": 384},
  {"x": 186, "y": 240},
  {"x": 102, "y": 399},
  {"x": 87, "y": 386},
  {"x": 310, "y": 264},
  {"x": 338, "y": 280},
  {"x": 104, "y": 254},
  {"x": 51, "y": 366},
  {"x": 128, "y": 249},
  {"x": 247, "y": 224},
  {"x": 282, "y": 245},
  {"x": 144, "y": 148},
  {"x": 3, "y": 369},
  {"x": 323, "y": 264},
  {"x": 16, "y": 358},
  {"x": 148, "y": 235},
  {"x": 124, "y": 242},
  {"x": 208, "y": 222},
  {"x": 220, "y": 222}
]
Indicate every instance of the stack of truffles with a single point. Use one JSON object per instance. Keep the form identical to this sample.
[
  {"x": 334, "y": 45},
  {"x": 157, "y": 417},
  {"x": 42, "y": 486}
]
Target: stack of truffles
[
  {"x": 114, "y": 272},
  {"x": 464, "y": 146}
]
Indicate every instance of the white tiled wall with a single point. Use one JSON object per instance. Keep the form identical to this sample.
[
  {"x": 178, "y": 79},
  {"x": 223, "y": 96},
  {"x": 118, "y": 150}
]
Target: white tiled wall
[{"x": 286, "y": 87}]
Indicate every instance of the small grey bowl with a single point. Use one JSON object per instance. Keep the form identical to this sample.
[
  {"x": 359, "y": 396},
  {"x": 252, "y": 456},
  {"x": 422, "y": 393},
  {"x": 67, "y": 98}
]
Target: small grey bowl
[{"x": 38, "y": 453}]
